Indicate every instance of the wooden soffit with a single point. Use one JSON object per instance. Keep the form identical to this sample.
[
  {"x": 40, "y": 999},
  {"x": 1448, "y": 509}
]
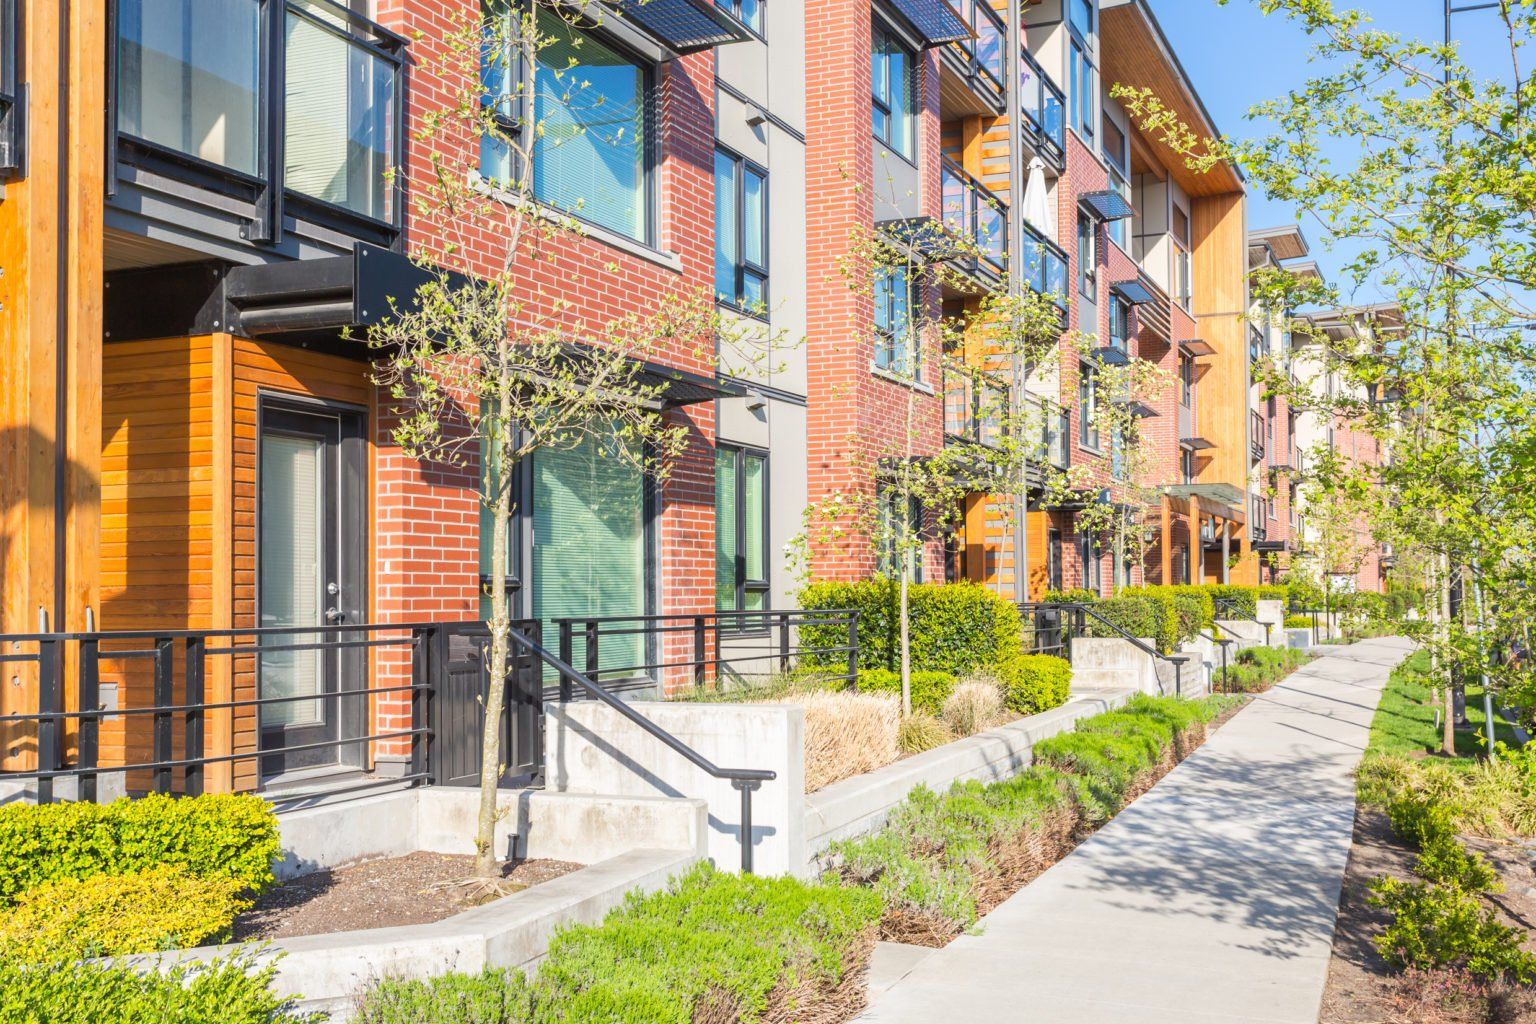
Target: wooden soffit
[{"x": 1135, "y": 53}]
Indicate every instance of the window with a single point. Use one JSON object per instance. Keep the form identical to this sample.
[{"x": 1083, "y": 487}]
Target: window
[
  {"x": 592, "y": 106},
  {"x": 1089, "y": 552},
  {"x": 1181, "y": 268},
  {"x": 1117, "y": 156},
  {"x": 893, "y": 84},
  {"x": 10, "y": 89},
  {"x": 896, "y": 343},
  {"x": 1082, "y": 77},
  {"x": 748, "y": 12},
  {"x": 1120, "y": 323},
  {"x": 741, "y": 233},
  {"x": 1053, "y": 573},
  {"x": 1081, "y": 17},
  {"x": 898, "y": 533},
  {"x": 1187, "y": 381},
  {"x": 1186, "y": 466},
  {"x": 1087, "y": 263},
  {"x": 1088, "y": 406},
  {"x": 741, "y": 529}
]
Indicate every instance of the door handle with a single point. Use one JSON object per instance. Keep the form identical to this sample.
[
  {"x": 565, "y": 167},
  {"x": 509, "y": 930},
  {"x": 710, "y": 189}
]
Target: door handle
[{"x": 334, "y": 614}]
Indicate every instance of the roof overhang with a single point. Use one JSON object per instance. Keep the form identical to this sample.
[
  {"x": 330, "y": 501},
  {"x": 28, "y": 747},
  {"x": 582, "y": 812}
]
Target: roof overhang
[
  {"x": 933, "y": 22},
  {"x": 1136, "y": 53},
  {"x": 1196, "y": 444},
  {"x": 1223, "y": 494},
  {"x": 1286, "y": 242}
]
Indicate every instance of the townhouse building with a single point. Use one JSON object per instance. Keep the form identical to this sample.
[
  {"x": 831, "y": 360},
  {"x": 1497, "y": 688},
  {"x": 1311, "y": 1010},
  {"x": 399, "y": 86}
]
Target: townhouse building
[{"x": 208, "y": 202}]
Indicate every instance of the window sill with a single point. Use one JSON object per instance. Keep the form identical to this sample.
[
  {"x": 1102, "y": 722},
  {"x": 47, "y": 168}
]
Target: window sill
[
  {"x": 898, "y": 379},
  {"x": 584, "y": 228},
  {"x": 1091, "y": 450},
  {"x": 889, "y": 150},
  {"x": 761, "y": 316}
]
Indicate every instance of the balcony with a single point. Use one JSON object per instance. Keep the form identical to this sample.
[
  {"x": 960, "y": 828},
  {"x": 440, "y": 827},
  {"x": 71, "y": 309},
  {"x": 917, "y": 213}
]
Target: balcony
[
  {"x": 257, "y": 114},
  {"x": 1055, "y": 431},
  {"x": 1258, "y": 436},
  {"x": 1044, "y": 107},
  {"x": 975, "y": 405},
  {"x": 1258, "y": 528},
  {"x": 1044, "y": 267},
  {"x": 973, "y": 73},
  {"x": 979, "y": 218}
]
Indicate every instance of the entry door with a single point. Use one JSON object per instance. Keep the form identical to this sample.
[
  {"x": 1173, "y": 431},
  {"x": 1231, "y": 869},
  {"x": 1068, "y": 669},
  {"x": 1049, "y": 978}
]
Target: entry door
[{"x": 311, "y": 522}]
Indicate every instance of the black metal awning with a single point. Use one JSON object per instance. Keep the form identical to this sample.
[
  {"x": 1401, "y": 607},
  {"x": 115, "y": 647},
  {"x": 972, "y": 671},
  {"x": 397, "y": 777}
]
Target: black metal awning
[
  {"x": 1108, "y": 204},
  {"x": 935, "y": 22},
  {"x": 683, "y": 26},
  {"x": 1197, "y": 347},
  {"x": 681, "y": 387},
  {"x": 1196, "y": 444},
  {"x": 1132, "y": 291},
  {"x": 1271, "y": 546}
]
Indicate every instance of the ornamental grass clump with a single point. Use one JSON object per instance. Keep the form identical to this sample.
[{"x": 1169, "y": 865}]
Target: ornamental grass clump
[
  {"x": 975, "y": 706},
  {"x": 920, "y": 732},
  {"x": 846, "y": 734}
]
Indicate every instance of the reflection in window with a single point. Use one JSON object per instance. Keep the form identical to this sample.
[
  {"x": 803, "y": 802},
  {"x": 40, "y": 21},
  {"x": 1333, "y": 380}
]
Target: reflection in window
[
  {"x": 741, "y": 529},
  {"x": 896, "y": 341},
  {"x": 893, "y": 84},
  {"x": 741, "y": 233}
]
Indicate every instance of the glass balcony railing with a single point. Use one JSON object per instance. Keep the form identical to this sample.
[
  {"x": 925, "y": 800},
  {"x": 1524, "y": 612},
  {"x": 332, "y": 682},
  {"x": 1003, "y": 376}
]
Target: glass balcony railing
[
  {"x": 975, "y": 214},
  {"x": 985, "y": 51},
  {"x": 1044, "y": 267},
  {"x": 1043, "y": 104},
  {"x": 975, "y": 405},
  {"x": 196, "y": 78}
]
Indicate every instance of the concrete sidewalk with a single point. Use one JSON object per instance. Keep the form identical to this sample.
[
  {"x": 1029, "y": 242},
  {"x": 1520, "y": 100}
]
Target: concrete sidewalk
[{"x": 1212, "y": 898}]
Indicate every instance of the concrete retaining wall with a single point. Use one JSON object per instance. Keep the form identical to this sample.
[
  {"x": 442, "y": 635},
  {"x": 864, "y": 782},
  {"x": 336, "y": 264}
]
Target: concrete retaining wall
[
  {"x": 590, "y": 748},
  {"x": 1272, "y": 613},
  {"x": 1246, "y": 632},
  {"x": 861, "y": 804},
  {"x": 1100, "y": 663}
]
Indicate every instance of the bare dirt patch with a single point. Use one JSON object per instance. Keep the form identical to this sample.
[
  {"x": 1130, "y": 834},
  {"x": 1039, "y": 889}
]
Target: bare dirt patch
[
  {"x": 377, "y": 894},
  {"x": 1362, "y": 989}
]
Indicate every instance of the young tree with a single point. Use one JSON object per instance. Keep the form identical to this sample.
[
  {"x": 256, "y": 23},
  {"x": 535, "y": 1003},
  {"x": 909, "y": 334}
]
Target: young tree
[
  {"x": 1423, "y": 169},
  {"x": 485, "y": 367}
]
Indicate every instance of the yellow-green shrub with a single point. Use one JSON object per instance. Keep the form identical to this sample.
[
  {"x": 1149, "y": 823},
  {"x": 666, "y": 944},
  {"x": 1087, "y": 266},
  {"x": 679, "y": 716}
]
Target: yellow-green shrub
[
  {"x": 1035, "y": 682},
  {"x": 929, "y": 690},
  {"x": 112, "y": 915},
  {"x": 214, "y": 836}
]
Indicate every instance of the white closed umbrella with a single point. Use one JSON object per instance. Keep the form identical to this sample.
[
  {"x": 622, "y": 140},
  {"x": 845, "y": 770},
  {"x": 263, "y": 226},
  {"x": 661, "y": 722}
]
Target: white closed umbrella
[{"x": 1037, "y": 202}]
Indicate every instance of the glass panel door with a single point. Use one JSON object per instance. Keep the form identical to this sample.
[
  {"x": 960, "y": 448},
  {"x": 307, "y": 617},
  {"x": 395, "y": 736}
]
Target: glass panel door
[{"x": 293, "y": 574}]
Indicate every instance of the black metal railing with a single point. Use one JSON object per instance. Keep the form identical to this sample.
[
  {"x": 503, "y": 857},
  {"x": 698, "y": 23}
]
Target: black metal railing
[
  {"x": 1044, "y": 267},
  {"x": 975, "y": 213},
  {"x": 1053, "y": 627},
  {"x": 66, "y": 729},
  {"x": 984, "y": 51},
  {"x": 746, "y": 780},
  {"x": 1044, "y": 106},
  {"x": 721, "y": 647}
]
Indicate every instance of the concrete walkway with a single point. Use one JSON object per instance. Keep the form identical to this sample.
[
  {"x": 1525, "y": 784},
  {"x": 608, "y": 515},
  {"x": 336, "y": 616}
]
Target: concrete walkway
[{"x": 1212, "y": 898}]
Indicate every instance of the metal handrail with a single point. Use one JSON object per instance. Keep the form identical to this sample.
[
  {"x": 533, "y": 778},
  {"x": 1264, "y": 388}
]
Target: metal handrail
[
  {"x": 746, "y": 780},
  {"x": 1085, "y": 610}
]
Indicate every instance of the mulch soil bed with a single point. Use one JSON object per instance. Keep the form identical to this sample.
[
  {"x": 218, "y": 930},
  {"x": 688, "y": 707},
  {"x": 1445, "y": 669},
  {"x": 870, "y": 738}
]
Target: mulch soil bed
[
  {"x": 1362, "y": 989},
  {"x": 377, "y": 894}
]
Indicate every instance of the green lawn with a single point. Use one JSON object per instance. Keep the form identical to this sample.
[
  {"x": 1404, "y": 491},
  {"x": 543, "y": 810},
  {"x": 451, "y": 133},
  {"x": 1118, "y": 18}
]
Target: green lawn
[{"x": 1405, "y": 720}]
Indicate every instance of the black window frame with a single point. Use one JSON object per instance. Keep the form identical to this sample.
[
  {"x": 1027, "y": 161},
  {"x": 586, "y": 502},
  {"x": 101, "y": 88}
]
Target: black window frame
[
  {"x": 1054, "y": 550},
  {"x": 1120, "y": 317},
  {"x": 1187, "y": 382},
  {"x": 267, "y": 190},
  {"x": 1091, "y": 557},
  {"x": 885, "y": 557},
  {"x": 12, "y": 99},
  {"x": 742, "y": 265},
  {"x": 885, "y": 338},
  {"x": 733, "y": 8},
  {"x": 1087, "y": 408},
  {"x": 882, "y": 32},
  {"x": 512, "y": 124},
  {"x": 744, "y": 585},
  {"x": 1088, "y": 265},
  {"x": 1083, "y": 101}
]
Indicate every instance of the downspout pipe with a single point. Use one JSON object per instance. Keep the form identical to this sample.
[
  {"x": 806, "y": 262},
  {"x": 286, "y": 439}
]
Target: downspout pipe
[{"x": 61, "y": 331}]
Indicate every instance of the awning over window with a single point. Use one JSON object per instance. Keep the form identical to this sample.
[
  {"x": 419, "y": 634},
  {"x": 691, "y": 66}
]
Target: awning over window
[
  {"x": 934, "y": 21},
  {"x": 1108, "y": 204},
  {"x": 1197, "y": 347},
  {"x": 1132, "y": 291},
  {"x": 683, "y": 26}
]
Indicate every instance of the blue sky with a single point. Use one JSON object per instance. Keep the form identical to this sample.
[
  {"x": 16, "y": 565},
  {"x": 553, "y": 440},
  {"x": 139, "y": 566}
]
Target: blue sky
[{"x": 1238, "y": 57}]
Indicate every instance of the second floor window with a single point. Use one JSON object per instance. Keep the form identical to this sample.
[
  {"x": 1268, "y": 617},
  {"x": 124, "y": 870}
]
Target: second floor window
[
  {"x": 897, "y": 347},
  {"x": 741, "y": 233},
  {"x": 1186, "y": 381},
  {"x": 1120, "y": 324},
  {"x": 1088, "y": 406},
  {"x": 593, "y": 117},
  {"x": 1088, "y": 261},
  {"x": 748, "y": 12},
  {"x": 893, "y": 86},
  {"x": 741, "y": 529}
]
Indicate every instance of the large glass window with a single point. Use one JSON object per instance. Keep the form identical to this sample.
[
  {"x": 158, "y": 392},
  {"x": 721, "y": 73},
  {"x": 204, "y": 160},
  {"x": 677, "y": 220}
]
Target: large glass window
[
  {"x": 1081, "y": 17},
  {"x": 1088, "y": 406},
  {"x": 741, "y": 529},
  {"x": 893, "y": 84},
  {"x": 1089, "y": 552},
  {"x": 589, "y": 529},
  {"x": 339, "y": 109},
  {"x": 189, "y": 77},
  {"x": 1088, "y": 265},
  {"x": 748, "y": 12},
  {"x": 1083, "y": 83},
  {"x": 1117, "y": 156},
  {"x": 900, "y": 531},
  {"x": 741, "y": 233},
  {"x": 591, "y": 145},
  {"x": 897, "y": 346}
]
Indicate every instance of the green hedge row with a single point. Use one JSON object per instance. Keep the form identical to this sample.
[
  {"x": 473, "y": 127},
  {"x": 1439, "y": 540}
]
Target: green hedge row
[
  {"x": 954, "y": 627},
  {"x": 1255, "y": 669},
  {"x": 1030, "y": 683},
  {"x": 214, "y": 836},
  {"x": 710, "y": 947}
]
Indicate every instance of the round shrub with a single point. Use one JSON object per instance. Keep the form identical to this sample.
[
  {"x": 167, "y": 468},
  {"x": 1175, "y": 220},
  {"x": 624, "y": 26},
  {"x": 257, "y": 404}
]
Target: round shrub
[
  {"x": 213, "y": 836},
  {"x": 1033, "y": 683},
  {"x": 1298, "y": 622},
  {"x": 929, "y": 689},
  {"x": 113, "y": 915}
]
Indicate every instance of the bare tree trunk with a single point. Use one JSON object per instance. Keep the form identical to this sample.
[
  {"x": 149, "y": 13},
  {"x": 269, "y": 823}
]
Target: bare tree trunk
[
  {"x": 906, "y": 641},
  {"x": 1448, "y": 724},
  {"x": 500, "y": 626}
]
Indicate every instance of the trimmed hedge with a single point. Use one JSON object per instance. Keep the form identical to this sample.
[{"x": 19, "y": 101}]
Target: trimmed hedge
[
  {"x": 1076, "y": 595},
  {"x": 1141, "y": 617},
  {"x": 1183, "y": 615},
  {"x": 1298, "y": 622},
  {"x": 1240, "y": 602},
  {"x": 710, "y": 947},
  {"x": 221, "y": 992},
  {"x": 929, "y": 689},
  {"x": 1033, "y": 683},
  {"x": 214, "y": 836},
  {"x": 113, "y": 915},
  {"x": 955, "y": 627}
]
